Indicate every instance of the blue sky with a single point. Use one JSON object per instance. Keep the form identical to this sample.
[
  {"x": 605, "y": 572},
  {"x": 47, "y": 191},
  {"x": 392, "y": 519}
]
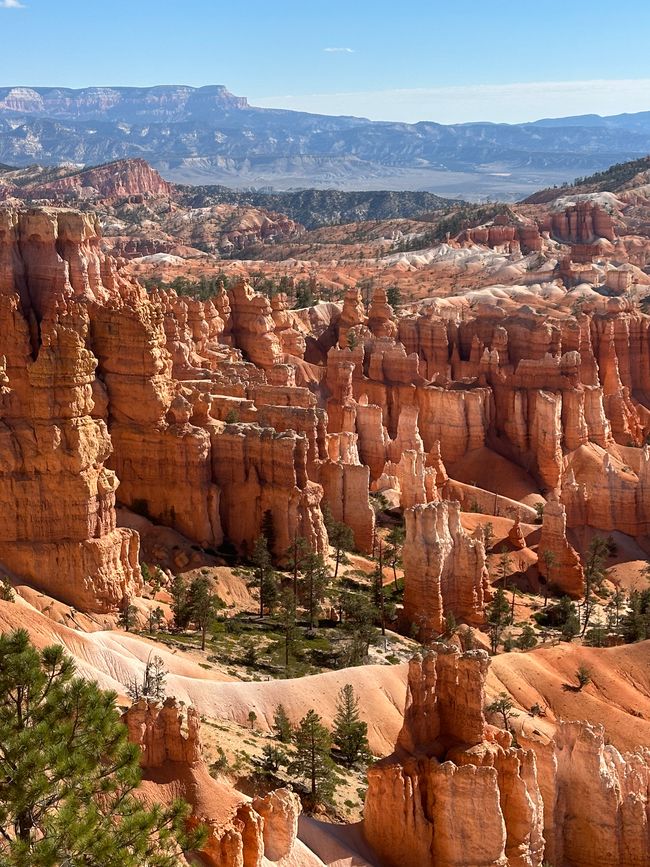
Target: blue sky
[{"x": 444, "y": 61}]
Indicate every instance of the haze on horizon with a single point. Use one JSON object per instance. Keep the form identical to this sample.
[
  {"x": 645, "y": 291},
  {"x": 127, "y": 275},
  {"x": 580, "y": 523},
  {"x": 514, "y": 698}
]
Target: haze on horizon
[{"x": 468, "y": 63}]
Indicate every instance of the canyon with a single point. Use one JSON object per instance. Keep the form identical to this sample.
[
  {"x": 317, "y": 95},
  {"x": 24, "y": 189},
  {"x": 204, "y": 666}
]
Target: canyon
[{"x": 498, "y": 404}]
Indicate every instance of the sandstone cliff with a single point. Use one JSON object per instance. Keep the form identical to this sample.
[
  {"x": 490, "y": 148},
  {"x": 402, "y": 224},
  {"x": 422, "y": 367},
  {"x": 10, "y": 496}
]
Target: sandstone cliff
[
  {"x": 58, "y": 523},
  {"x": 453, "y": 793}
]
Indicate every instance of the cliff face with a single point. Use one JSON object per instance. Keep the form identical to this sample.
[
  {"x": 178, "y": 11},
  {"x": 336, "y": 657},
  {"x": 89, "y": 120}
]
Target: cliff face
[
  {"x": 559, "y": 562},
  {"x": 125, "y": 179},
  {"x": 601, "y": 798},
  {"x": 457, "y": 792},
  {"x": 195, "y": 407},
  {"x": 57, "y": 524},
  {"x": 103, "y": 386}
]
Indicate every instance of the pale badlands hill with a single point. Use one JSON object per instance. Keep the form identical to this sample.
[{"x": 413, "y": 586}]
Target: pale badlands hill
[{"x": 618, "y": 696}]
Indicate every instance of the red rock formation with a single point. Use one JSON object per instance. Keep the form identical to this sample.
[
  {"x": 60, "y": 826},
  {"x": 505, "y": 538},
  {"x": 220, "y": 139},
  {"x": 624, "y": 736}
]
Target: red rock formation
[
  {"x": 240, "y": 834},
  {"x": 444, "y": 570},
  {"x": 457, "y": 793},
  {"x": 600, "y": 805},
  {"x": 380, "y": 315},
  {"x": 562, "y": 569},
  {"x": 122, "y": 179},
  {"x": 162, "y": 460},
  {"x": 454, "y": 793},
  {"x": 581, "y": 223},
  {"x": 352, "y": 315},
  {"x": 515, "y": 536},
  {"x": 158, "y": 731},
  {"x": 57, "y": 523},
  {"x": 292, "y": 340},
  {"x": 267, "y": 471},
  {"x": 253, "y": 327}
]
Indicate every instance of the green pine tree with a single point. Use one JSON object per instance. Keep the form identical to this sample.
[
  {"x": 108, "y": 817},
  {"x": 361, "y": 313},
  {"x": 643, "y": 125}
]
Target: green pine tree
[
  {"x": 264, "y": 577},
  {"x": 127, "y": 613},
  {"x": 341, "y": 538},
  {"x": 359, "y": 616},
  {"x": 180, "y": 602},
  {"x": 594, "y": 576},
  {"x": 498, "y": 617},
  {"x": 286, "y": 616},
  {"x": 314, "y": 587},
  {"x": 350, "y": 734},
  {"x": 312, "y": 761},
  {"x": 282, "y": 725},
  {"x": 68, "y": 773},
  {"x": 203, "y": 604}
]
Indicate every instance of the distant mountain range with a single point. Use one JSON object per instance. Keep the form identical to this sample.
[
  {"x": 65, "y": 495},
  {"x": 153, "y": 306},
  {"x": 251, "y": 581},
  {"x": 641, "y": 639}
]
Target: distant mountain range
[{"x": 209, "y": 136}]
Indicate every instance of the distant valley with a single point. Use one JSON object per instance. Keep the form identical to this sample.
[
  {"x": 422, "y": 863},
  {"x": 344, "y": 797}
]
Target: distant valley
[{"x": 209, "y": 136}]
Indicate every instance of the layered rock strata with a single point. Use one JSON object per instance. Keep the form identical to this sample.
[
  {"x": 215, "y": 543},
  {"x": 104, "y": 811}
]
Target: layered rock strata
[
  {"x": 104, "y": 385},
  {"x": 559, "y": 562},
  {"x": 457, "y": 792},
  {"x": 58, "y": 522}
]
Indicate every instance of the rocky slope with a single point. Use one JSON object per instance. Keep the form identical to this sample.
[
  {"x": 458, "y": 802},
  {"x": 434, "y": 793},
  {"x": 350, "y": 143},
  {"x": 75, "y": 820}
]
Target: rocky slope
[{"x": 143, "y": 215}]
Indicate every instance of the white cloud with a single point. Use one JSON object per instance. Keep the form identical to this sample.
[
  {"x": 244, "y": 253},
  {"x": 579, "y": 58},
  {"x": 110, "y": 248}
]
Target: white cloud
[
  {"x": 339, "y": 50},
  {"x": 12, "y": 4},
  {"x": 501, "y": 103}
]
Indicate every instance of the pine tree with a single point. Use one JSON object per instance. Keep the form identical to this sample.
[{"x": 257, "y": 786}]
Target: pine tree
[
  {"x": 127, "y": 614},
  {"x": 282, "y": 725},
  {"x": 393, "y": 296},
  {"x": 498, "y": 617},
  {"x": 594, "y": 576},
  {"x": 272, "y": 759},
  {"x": 341, "y": 538},
  {"x": 6, "y": 591},
  {"x": 378, "y": 597},
  {"x": 312, "y": 761},
  {"x": 359, "y": 617},
  {"x": 268, "y": 530},
  {"x": 393, "y": 552},
  {"x": 350, "y": 734},
  {"x": 156, "y": 617},
  {"x": 67, "y": 772},
  {"x": 287, "y": 617},
  {"x": 527, "y": 640},
  {"x": 314, "y": 587},
  {"x": 264, "y": 577},
  {"x": 503, "y": 706},
  {"x": 180, "y": 602},
  {"x": 203, "y": 605},
  {"x": 297, "y": 558}
]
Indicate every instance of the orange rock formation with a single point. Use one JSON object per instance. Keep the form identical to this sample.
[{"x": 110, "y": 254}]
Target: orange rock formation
[
  {"x": 444, "y": 570},
  {"x": 456, "y": 792},
  {"x": 241, "y": 833}
]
